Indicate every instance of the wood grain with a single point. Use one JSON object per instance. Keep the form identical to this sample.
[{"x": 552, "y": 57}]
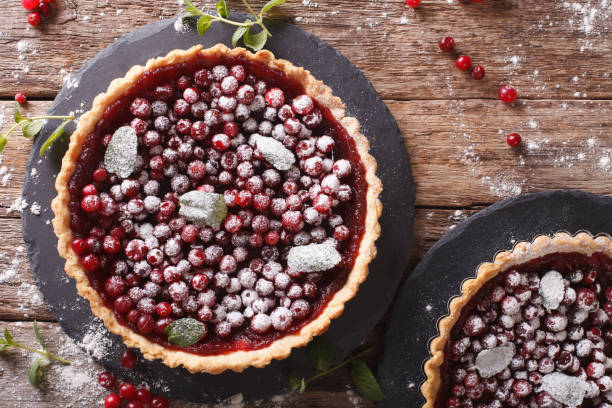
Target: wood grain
[{"x": 510, "y": 38}]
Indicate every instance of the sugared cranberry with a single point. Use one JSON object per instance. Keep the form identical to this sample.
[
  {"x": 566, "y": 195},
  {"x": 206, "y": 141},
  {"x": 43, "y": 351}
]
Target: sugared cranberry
[
  {"x": 463, "y": 63},
  {"x": 90, "y": 262},
  {"x": 90, "y": 203},
  {"x": 513, "y": 139},
  {"x": 447, "y": 44},
  {"x": 128, "y": 359},
  {"x": 107, "y": 380},
  {"x": 507, "y": 94},
  {"x": 275, "y": 98}
]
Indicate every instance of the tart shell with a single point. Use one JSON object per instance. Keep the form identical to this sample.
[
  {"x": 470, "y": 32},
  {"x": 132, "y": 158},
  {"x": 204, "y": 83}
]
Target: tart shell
[
  {"x": 236, "y": 360},
  {"x": 522, "y": 252}
]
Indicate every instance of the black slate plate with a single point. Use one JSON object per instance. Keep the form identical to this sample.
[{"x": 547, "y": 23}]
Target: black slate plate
[
  {"x": 423, "y": 300},
  {"x": 362, "y": 313}
]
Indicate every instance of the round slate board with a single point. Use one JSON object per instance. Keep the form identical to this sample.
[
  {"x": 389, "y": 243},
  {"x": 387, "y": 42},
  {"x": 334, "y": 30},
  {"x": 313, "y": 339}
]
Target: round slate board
[
  {"x": 424, "y": 298},
  {"x": 362, "y": 101}
]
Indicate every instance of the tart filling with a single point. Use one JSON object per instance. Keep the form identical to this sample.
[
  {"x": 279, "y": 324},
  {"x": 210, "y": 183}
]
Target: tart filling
[
  {"x": 532, "y": 330},
  {"x": 196, "y": 190}
]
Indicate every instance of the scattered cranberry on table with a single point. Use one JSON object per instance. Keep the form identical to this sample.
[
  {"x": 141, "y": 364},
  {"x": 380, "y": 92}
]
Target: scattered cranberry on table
[
  {"x": 129, "y": 359},
  {"x": 107, "y": 380},
  {"x": 34, "y": 19},
  {"x": 478, "y": 72},
  {"x": 413, "y": 3},
  {"x": 447, "y": 44},
  {"x": 159, "y": 402},
  {"x": 112, "y": 401},
  {"x": 127, "y": 392},
  {"x": 20, "y": 98},
  {"x": 30, "y": 4},
  {"x": 507, "y": 94},
  {"x": 463, "y": 63},
  {"x": 513, "y": 139}
]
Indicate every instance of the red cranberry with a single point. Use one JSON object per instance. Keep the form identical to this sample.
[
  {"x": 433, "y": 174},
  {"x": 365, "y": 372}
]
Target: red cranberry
[
  {"x": 507, "y": 94},
  {"x": 244, "y": 198},
  {"x": 478, "y": 72},
  {"x": 413, "y": 3},
  {"x": 322, "y": 203},
  {"x": 447, "y": 44},
  {"x": 107, "y": 380},
  {"x": 114, "y": 286},
  {"x": 90, "y": 262},
  {"x": 123, "y": 304},
  {"x": 20, "y": 98},
  {"x": 521, "y": 388},
  {"x": 127, "y": 391},
  {"x": 141, "y": 108},
  {"x": 79, "y": 246},
  {"x": 34, "y": 19},
  {"x": 585, "y": 298},
  {"x": 90, "y": 203},
  {"x": 221, "y": 141},
  {"x": 143, "y": 395},
  {"x": 513, "y": 139},
  {"x": 145, "y": 323},
  {"x": 341, "y": 232},
  {"x": 99, "y": 175},
  {"x": 134, "y": 404},
  {"x": 463, "y": 63},
  {"x": 30, "y": 4},
  {"x": 128, "y": 359},
  {"x": 159, "y": 402},
  {"x": 183, "y": 82},
  {"x": 112, "y": 401}
]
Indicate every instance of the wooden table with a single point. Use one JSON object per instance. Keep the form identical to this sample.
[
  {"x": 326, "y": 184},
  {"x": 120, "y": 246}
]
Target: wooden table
[{"x": 557, "y": 54}]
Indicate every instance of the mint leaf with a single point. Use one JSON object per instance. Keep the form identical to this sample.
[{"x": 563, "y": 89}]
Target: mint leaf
[
  {"x": 3, "y": 141},
  {"x": 16, "y": 114},
  {"x": 54, "y": 136},
  {"x": 190, "y": 8},
  {"x": 203, "y": 208},
  {"x": 3, "y": 347},
  {"x": 8, "y": 337},
  {"x": 222, "y": 8},
  {"x": 204, "y": 24},
  {"x": 321, "y": 353},
  {"x": 31, "y": 128},
  {"x": 365, "y": 382},
  {"x": 255, "y": 41},
  {"x": 269, "y": 5},
  {"x": 36, "y": 371},
  {"x": 239, "y": 33},
  {"x": 121, "y": 152},
  {"x": 38, "y": 336},
  {"x": 185, "y": 332}
]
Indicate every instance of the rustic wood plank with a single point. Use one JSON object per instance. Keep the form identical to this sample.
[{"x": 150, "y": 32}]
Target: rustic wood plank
[
  {"x": 458, "y": 152},
  {"x": 527, "y": 44},
  {"x": 76, "y": 385}
]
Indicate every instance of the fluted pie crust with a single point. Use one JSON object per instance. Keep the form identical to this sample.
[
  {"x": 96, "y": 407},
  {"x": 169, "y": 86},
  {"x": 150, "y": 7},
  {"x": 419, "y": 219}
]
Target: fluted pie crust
[
  {"x": 236, "y": 360},
  {"x": 582, "y": 243}
]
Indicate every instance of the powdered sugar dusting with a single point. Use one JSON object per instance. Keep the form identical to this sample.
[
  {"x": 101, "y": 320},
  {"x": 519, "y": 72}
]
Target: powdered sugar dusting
[
  {"x": 96, "y": 341},
  {"x": 565, "y": 389},
  {"x": 492, "y": 361}
]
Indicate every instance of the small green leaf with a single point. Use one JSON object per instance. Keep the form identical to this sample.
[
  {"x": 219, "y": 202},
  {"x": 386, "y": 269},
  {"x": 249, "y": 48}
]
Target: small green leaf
[
  {"x": 31, "y": 128},
  {"x": 255, "y": 41},
  {"x": 38, "y": 335},
  {"x": 365, "y": 382},
  {"x": 3, "y": 141},
  {"x": 54, "y": 136},
  {"x": 185, "y": 332},
  {"x": 16, "y": 114},
  {"x": 36, "y": 371},
  {"x": 191, "y": 9},
  {"x": 222, "y": 8},
  {"x": 321, "y": 353},
  {"x": 204, "y": 24},
  {"x": 8, "y": 337},
  {"x": 239, "y": 33},
  {"x": 203, "y": 208},
  {"x": 296, "y": 382},
  {"x": 3, "y": 347},
  {"x": 269, "y": 5}
]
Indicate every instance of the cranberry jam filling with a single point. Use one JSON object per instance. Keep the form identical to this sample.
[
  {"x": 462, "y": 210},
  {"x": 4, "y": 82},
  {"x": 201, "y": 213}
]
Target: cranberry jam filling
[
  {"x": 538, "y": 335},
  {"x": 195, "y": 123}
]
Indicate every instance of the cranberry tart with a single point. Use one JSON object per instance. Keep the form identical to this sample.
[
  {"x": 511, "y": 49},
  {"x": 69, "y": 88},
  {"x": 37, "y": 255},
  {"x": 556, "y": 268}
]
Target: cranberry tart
[
  {"x": 217, "y": 208},
  {"x": 532, "y": 329}
]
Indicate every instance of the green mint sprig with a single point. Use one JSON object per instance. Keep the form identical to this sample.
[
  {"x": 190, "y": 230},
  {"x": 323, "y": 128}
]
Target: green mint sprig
[
  {"x": 30, "y": 127},
  {"x": 36, "y": 369},
  {"x": 322, "y": 356},
  {"x": 254, "y": 41}
]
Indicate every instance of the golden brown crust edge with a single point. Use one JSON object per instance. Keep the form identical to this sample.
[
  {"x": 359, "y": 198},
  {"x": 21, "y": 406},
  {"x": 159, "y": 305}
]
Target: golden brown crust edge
[
  {"x": 238, "y": 360},
  {"x": 522, "y": 252}
]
